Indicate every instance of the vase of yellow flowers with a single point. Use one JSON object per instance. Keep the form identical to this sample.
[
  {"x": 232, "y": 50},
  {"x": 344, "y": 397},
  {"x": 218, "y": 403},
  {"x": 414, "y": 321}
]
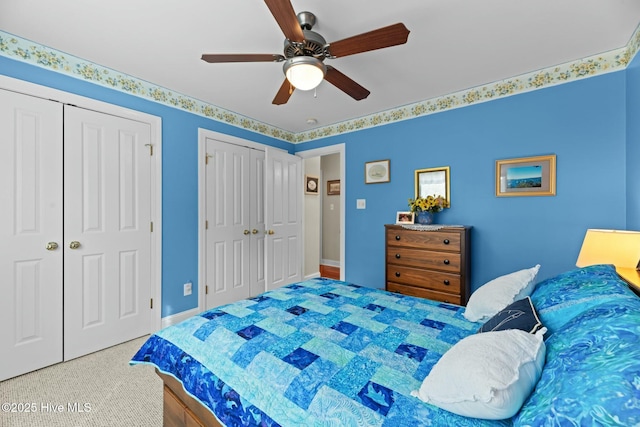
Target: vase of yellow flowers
[{"x": 425, "y": 207}]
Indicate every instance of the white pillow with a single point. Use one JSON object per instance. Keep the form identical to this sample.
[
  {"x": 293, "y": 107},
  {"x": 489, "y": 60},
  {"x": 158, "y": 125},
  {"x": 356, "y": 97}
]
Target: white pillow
[
  {"x": 495, "y": 295},
  {"x": 486, "y": 375}
]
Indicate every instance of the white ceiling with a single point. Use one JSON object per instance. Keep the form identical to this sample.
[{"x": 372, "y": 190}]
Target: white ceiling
[{"x": 453, "y": 45}]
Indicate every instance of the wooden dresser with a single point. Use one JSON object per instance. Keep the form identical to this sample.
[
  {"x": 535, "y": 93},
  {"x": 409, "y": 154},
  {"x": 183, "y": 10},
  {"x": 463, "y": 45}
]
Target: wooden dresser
[{"x": 429, "y": 264}]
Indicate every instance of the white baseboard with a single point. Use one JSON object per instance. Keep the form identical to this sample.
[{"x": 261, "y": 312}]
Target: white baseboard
[
  {"x": 311, "y": 276},
  {"x": 330, "y": 262},
  {"x": 178, "y": 317}
]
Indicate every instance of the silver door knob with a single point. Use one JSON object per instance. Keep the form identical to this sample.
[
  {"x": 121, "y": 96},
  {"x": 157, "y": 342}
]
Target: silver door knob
[
  {"x": 52, "y": 246},
  {"x": 74, "y": 245}
]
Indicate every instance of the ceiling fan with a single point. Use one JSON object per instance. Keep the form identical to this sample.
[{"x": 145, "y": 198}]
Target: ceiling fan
[{"x": 306, "y": 50}]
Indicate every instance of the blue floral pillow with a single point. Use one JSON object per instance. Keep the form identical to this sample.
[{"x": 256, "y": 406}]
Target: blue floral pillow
[
  {"x": 592, "y": 372},
  {"x": 563, "y": 297}
]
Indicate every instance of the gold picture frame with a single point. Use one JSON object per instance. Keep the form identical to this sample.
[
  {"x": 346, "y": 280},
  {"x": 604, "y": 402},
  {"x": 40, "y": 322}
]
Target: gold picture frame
[
  {"x": 377, "y": 172},
  {"x": 433, "y": 181},
  {"x": 526, "y": 176}
]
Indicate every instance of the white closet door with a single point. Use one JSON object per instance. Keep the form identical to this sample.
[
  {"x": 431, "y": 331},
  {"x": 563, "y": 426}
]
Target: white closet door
[
  {"x": 257, "y": 190},
  {"x": 283, "y": 218},
  {"x": 30, "y": 218},
  {"x": 107, "y": 245},
  {"x": 228, "y": 235}
]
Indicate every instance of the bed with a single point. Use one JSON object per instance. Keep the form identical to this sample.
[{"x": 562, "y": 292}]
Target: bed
[{"x": 326, "y": 352}]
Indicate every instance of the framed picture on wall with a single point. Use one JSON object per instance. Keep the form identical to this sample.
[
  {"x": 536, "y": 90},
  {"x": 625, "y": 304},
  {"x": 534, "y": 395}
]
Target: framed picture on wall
[
  {"x": 333, "y": 187},
  {"x": 376, "y": 172},
  {"x": 311, "y": 184},
  {"x": 526, "y": 176},
  {"x": 433, "y": 182}
]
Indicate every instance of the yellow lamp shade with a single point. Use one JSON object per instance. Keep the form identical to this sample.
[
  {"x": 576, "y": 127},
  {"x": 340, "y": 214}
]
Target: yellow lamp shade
[{"x": 618, "y": 247}]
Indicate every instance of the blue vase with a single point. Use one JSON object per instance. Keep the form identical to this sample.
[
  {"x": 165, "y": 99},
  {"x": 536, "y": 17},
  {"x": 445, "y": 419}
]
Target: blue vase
[{"x": 424, "y": 217}]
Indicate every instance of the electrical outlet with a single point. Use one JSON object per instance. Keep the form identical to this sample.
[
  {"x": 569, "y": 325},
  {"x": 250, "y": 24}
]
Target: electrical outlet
[{"x": 187, "y": 289}]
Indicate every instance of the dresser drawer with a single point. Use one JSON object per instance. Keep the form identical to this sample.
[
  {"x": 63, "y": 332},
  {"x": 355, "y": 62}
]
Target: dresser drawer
[
  {"x": 425, "y": 293},
  {"x": 446, "y": 282},
  {"x": 434, "y": 240},
  {"x": 444, "y": 261}
]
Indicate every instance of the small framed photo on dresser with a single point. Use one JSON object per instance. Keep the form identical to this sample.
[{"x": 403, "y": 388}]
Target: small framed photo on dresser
[{"x": 404, "y": 217}]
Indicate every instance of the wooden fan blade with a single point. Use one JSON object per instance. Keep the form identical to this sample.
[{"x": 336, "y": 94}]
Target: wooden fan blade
[
  {"x": 392, "y": 35},
  {"x": 284, "y": 93},
  {"x": 285, "y": 16},
  {"x": 345, "y": 84},
  {"x": 241, "y": 57}
]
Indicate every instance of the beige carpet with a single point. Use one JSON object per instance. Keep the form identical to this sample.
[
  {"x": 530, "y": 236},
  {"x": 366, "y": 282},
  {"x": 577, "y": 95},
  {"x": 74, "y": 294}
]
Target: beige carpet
[{"x": 102, "y": 385}]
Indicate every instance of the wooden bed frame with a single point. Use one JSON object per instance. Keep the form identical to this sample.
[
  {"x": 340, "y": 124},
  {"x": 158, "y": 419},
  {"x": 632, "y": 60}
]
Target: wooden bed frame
[{"x": 182, "y": 410}]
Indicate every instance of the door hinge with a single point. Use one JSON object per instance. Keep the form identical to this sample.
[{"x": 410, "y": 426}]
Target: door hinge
[
  {"x": 206, "y": 225},
  {"x": 150, "y": 148},
  {"x": 151, "y": 226},
  {"x": 151, "y": 303},
  {"x": 206, "y": 290}
]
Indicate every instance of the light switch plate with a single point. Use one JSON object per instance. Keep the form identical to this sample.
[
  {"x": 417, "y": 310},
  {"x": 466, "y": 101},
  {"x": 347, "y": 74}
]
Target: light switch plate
[{"x": 361, "y": 204}]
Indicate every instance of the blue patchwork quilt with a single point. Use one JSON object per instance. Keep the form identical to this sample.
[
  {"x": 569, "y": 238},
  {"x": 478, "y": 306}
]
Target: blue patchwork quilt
[{"x": 319, "y": 352}]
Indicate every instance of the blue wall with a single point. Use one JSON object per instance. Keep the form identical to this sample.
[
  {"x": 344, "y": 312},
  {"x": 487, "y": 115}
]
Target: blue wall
[
  {"x": 179, "y": 174},
  {"x": 633, "y": 144},
  {"x": 583, "y": 123},
  {"x": 589, "y": 124}
]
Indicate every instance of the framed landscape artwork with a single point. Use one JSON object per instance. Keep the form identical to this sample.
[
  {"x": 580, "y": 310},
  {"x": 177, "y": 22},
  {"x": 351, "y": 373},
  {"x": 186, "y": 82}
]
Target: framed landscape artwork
[
  {"x": 526, "y": 176},
  {"x": 333, "y": 187},
  {"x": 376, "y": 172}
]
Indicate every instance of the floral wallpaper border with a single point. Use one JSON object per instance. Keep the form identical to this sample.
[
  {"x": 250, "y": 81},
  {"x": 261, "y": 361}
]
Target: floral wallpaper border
[{"x": 21, "y": 49}]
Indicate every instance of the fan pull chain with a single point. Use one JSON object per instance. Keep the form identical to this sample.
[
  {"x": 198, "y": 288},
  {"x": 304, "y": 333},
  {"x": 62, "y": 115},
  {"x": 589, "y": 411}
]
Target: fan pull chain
[
  {"x": 290, "y": 88},
  {"x": 315, "y": 92}
]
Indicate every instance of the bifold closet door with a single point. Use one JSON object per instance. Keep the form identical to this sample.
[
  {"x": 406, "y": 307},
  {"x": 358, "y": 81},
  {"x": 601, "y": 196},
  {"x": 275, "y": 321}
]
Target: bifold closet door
[
  {"x": 229, "y": 231},
  {"x": 283, "y": 191},
  {"x": 107, "y": 229},
  {"x": 30, "y": 233},
  {"x": 257, "y": 191}
]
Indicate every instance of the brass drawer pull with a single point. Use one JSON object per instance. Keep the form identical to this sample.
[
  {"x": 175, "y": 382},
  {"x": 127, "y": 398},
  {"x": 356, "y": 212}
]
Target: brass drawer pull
[
  {"x": 397, "y": 274},
  {"x": 446, "y": 261},
  {"x": 446, "y": 241},
  {"x": 397, "y": 256},
  {"x": 446, "y": 282}
]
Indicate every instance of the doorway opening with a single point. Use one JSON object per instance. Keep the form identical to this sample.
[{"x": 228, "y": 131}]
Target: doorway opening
[{"x": 324, "y": 216}]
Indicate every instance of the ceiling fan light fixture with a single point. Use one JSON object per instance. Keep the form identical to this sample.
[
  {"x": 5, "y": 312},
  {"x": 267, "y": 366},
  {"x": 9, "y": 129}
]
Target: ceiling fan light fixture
[{"x": 304, "y": 72}]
